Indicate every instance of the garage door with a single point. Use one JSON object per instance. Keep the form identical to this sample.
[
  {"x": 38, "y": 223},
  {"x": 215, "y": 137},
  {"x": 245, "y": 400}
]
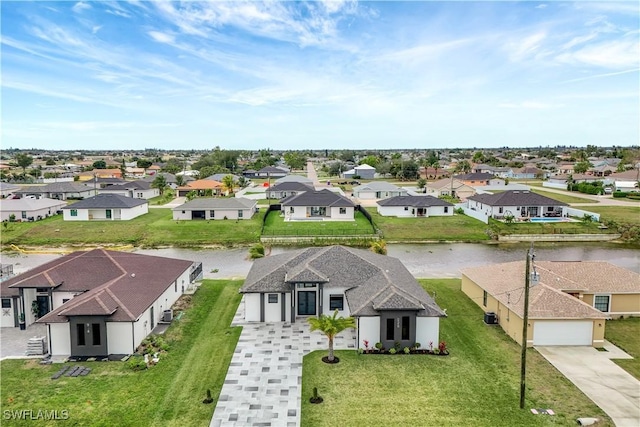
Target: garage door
[{"x": 562, "y": 332}]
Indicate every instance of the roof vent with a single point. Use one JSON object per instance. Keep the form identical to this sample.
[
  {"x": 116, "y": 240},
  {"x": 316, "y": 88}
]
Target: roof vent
[{"x": 133, "y": 274}]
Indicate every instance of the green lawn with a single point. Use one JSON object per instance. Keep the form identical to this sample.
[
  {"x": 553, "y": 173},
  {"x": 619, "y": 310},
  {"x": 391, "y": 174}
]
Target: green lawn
[
  {"x": 478, "y": 384},
  {"x": 275, "y": 225},
  {"x": 457, "y": 227},
  {"x": 168, "y": 394},
  {"x": 548, "y": 228},
  {"x": 152, "y": 229},
  {"x": 566, "y": 198},
  {"x": 624, "y": 333},
  {"x": 622, "y": 214}
]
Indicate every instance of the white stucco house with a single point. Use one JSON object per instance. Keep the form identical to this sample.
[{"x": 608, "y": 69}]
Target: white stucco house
[
  {"x": 216, "y": 209},
  {"x": 106, "y": 207},
  {"x": 516, "y": 203},
  {"x": 378, "y": 190},
  {"x": 389, "y": 305},
  {"x": 99, "y": 302},
  {"x": 27, "y": 209},
  {"x": 364, "y": 171},
  {"x": 318, "y": 205},
  {"x": 135, "y": 189},
  {"x": 414, "y": 206}
]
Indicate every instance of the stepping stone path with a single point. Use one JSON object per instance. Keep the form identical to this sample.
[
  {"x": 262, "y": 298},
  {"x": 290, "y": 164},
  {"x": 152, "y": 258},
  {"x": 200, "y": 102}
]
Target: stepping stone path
[{"x": 67, "y": 371}]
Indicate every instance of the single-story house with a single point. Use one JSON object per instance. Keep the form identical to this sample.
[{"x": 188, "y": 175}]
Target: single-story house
[
  {"x": 136, "y": 189},
  {"x": 99, "y": 302},
  {"x": 60, "y": 191},
  {"x": 106, "y": 207},
  {"x": 516, "y": 203},
  {"x": 169, "y": 178},
  {"x": 415, "y": 206},
  {"x": 626, "y": 186},
  {"x": 430, "y": 172},
  {"x": 7, "y": 189},
  {"x": 378, "y": 190},
  {"x": 528, "y": 172},
  {"x": 28, "y": 209},
  {"x": 568, "y": 306},
  {"x": 319, "y": 205},
  {"x": 267, "y": 172},
  {"x": 294, "y": 178},
  {"x": 220, "y": 176},
  {"x": 479, "y": 179},
  {"x": 202, "y": 187},
  {"x": 91, "y": 175},
  {"x": 104, "y": 182},
  {"x": 626, "y": 181},
  {"x": 135, "y": 172},
  {"x": 216, "y": 209},
  {"x": 287, "y": 188},
  {"x": 389, "y": 305},
  {"x": 364, "y": 171},
  {"x": 450, "y": 187}
]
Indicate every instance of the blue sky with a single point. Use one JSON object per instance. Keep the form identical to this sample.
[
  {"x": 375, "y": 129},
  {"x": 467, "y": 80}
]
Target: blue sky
[{"x": 334, "y": 74}]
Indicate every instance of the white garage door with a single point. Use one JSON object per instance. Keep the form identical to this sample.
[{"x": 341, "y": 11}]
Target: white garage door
[{"x": 562, "y": 332}]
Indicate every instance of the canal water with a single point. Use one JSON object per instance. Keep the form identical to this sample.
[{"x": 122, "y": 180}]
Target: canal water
[{"x": 423, "y": 260}]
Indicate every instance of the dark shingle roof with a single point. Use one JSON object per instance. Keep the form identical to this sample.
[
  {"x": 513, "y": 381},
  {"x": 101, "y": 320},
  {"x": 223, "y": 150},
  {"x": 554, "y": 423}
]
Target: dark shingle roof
[
  {"x": 120, "y": 285},
  {"x": 132, "y": 185},
  {"x": 107, "y": 201},
  {"x": 292, "y": 186},
  {"x": 414, "y": 201},
  {"x": 58, "y": 187},
  {"x": 516, "y": 198},
  {"x": 272, "y": 169},
  {"x": 478, "y": 176},
  {"x": 217, "y": 203},
  {"x": 373, "y": 282},
  {"x": 318, "y": 198}
]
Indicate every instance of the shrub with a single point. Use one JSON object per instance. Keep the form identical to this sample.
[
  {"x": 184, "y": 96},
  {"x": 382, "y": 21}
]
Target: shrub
[
  {"x": 378, "y": 345},
  {"x": 136, "y": 363},
  {"x": 442, "y": 347},
  {"x": 392, "y": 350},
  {"x": 256, "y": 251},
  {"x": 406, "y": 350}
]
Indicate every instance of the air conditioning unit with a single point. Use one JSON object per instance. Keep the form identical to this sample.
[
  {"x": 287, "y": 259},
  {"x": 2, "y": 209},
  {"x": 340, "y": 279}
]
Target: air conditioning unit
[
  {"x": 490, "y": 318},
  {"x": 167, "y": 316}
]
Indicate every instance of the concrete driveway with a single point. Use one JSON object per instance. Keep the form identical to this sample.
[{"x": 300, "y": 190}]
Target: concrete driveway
[{"x": 610, "y": 387}]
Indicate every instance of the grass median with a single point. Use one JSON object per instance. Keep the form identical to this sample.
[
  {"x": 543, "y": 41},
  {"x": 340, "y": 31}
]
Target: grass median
[
  {"x": 477, "y": 384},
  {"x": 168, "y": 394}
]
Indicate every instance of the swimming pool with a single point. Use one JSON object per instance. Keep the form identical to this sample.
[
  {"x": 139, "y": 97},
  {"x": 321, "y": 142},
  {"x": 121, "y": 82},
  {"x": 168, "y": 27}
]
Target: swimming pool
[{"x": 549, "y": 220}]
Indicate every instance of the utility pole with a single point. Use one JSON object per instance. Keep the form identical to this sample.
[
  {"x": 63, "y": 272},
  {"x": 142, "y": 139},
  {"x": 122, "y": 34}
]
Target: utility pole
[{"x": 525, "y": 320}]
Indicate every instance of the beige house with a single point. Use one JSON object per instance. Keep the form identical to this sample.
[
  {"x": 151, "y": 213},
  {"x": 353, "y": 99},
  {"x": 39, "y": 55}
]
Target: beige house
[
  {"x": 450, "y": 187},
  {"x": 569, "y": 305}
]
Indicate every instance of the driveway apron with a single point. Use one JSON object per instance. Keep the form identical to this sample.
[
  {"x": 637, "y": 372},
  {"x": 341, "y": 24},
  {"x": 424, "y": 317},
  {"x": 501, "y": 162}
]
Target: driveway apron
[
  {"x": 609, "y": 386},
  {"x": 264, "y": 380}
]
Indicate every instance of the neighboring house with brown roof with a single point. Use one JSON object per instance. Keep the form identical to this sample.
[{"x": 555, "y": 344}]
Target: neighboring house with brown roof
[
  {"x": 318, "y": 205},
  {"x": 388, "y": 303},
  {"x": 569, "y": 305},
  {"x": 99, "y": 302},
  {"x": 450, "y": 187},
  {"x": 479, "y": 179},
  {"x": 202, "y": 187},
  {"x": 288, "y": 188}
]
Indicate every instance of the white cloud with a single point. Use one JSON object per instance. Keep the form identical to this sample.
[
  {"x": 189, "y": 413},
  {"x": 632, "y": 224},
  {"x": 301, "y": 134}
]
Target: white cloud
[
  {"x": 526, "y": 47},
  {"x": 614, "y": 54},
  {"x": 162, "y": 37},
  {"x": 80, "y": 6},
  {"x": 534, "y": 105},
  {"x": 599, "y": 76},
  {"x": 95, "y": 29},
  {"x": 541, "y": 6}
]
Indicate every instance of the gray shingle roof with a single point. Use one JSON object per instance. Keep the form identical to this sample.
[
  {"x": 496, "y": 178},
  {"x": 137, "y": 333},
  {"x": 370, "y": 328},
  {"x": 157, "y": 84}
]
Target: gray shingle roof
[
  {"x": 132, "y": 185},
  {"x": 516, "y": 198},
  {"x": 217, "y": 203},
  {"x": 291, "y": 186},
  {"x": 478, "y": 176},
  {"x": 373, "y": 282},
  {"x": 414, "y": 201},
  {"x": 378, "y": 186},
  {"x": 57, "y": 187},
  {"x": 107, "y": 201},
  {"x": 119, "y": 284},
  {"x": 318, "y": 198}
]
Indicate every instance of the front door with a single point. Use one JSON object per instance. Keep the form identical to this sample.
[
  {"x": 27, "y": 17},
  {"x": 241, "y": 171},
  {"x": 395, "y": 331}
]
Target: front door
[
  {"x": 43, "y": 305},
  {"x": 398, "y": 329},
  {"x": 306, "y": 303},
  {"x": 88, "y": 336},
  {"x": 108, "y": 212}
]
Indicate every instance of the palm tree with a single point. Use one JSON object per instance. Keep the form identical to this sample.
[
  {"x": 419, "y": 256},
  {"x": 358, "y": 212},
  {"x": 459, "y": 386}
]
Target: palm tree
[
  {"x": 227, "y": 182},
  {"x": 160, "y": 182},
  {"x": 331, "y": 326}
]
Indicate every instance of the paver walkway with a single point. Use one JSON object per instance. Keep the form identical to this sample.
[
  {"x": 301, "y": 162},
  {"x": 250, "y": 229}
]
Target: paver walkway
[
  {"x": 264, "y": 380},
  {"x": 609, "y": 386},
  {"x": 14, "y": 341}
]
